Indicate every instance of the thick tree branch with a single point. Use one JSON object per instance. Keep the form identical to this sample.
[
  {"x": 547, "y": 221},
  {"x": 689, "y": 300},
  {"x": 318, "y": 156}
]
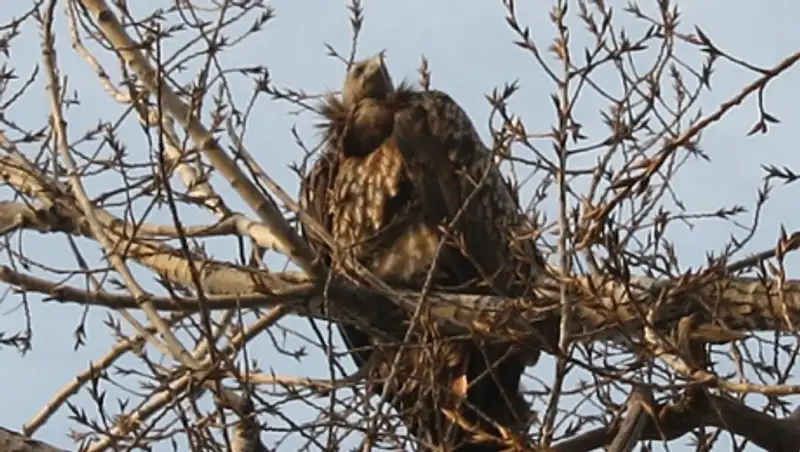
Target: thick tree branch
[
  {"x": 607, "y": 309},
  {"x": 678, "y": 418},
  {"x": 11, "y": 441},
  {"x": 631, "y": 428}
]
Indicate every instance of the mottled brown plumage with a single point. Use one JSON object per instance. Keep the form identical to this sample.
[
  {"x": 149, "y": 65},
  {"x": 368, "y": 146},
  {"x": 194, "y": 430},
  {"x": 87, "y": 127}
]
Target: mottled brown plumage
[{"x": 391, "y": 186}]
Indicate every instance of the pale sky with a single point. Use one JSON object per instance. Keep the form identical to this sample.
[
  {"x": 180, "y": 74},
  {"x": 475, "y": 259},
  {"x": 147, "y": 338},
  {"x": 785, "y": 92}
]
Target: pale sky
[{"x": 471, "y": 51}]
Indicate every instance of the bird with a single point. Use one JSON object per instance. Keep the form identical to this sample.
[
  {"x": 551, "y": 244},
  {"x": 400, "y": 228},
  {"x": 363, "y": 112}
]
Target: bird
[{"x": 408, "y": 190}]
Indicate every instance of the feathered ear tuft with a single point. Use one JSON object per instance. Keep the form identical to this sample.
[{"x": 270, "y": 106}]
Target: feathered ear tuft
[{"x": 335, "y": 115}]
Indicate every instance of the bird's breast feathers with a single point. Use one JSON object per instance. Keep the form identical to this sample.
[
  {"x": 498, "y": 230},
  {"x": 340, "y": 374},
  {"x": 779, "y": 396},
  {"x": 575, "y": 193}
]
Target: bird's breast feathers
[
  {"x": 374, "y": 216},
  {"x": 364, "y": 187}
]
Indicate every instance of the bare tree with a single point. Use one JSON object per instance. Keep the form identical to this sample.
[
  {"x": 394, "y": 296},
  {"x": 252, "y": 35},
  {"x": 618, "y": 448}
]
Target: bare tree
[{"x": 645, "y": 350}]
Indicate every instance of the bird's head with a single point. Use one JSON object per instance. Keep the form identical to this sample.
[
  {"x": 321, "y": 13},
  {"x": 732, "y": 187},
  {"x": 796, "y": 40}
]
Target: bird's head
[{"x": 367, "y": 79}]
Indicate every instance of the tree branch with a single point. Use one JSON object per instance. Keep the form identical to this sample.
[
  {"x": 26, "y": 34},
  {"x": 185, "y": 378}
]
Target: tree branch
[
  {"x": 607, "y": 309},
  {"x": 11, "y": 441},
  {"x": 678, "y": 418}
]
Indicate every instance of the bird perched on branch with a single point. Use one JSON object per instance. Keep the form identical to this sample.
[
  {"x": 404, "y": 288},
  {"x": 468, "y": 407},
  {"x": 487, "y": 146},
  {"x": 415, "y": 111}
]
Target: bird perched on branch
[{"x": 407, "y": 188}]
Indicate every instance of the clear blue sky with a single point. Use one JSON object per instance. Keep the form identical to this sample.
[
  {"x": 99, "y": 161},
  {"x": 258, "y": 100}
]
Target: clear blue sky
[{"x": 471, "y": 51}]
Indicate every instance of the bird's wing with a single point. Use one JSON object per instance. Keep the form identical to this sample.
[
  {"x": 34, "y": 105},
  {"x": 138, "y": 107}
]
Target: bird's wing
[
  {"x": 457, "y": 182},
  {"x": 314, "y": 192},
  {"x": 455, "y": 179}
]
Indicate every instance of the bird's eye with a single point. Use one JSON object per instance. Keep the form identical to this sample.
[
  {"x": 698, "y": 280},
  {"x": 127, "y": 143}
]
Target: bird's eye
[{"x": 358, "y": 70}]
